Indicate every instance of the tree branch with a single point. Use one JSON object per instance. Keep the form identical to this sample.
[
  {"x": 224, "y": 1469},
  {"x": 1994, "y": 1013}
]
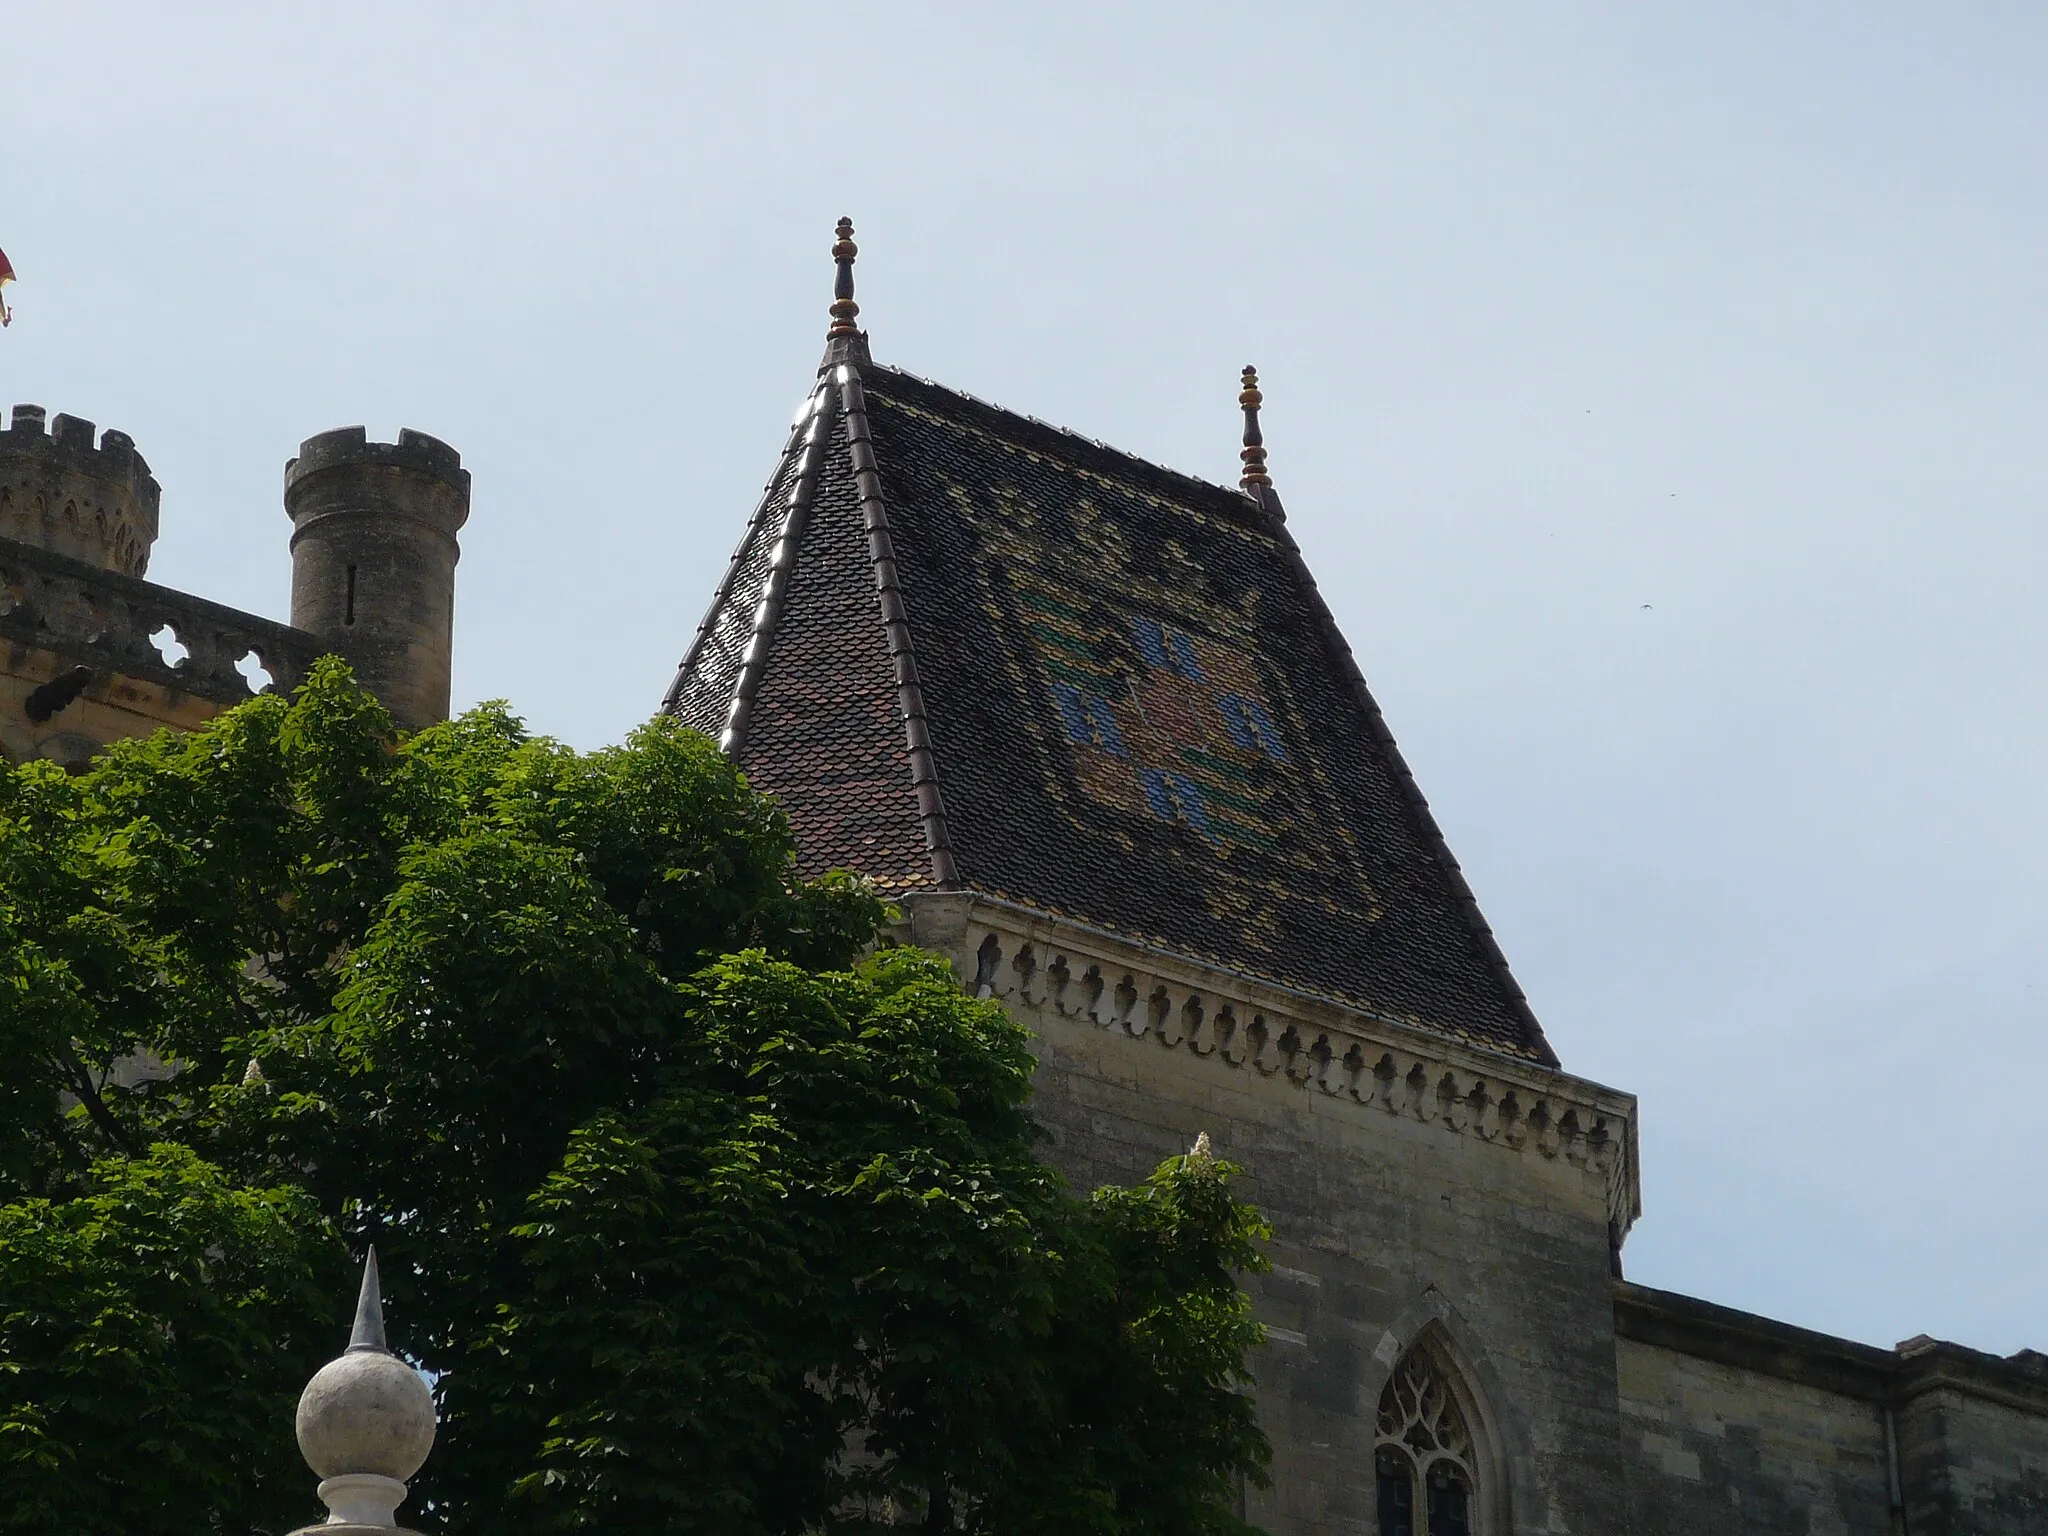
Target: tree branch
[{"x": 95, "y": 1107}]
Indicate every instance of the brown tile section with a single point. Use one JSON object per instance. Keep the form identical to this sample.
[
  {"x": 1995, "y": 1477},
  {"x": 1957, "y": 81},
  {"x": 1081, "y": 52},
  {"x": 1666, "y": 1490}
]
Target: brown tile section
[{"x": 825, "y": 736}]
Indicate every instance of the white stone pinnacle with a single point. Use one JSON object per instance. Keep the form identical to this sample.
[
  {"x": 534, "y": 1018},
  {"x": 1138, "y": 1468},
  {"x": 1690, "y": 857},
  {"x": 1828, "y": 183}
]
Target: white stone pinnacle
[{"x": 366, "y": 1423}]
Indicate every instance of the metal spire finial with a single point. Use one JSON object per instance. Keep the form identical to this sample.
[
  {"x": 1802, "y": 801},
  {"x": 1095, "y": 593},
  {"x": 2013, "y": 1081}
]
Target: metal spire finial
[
  {"x": 368, "y": 1335},
  {"x": 843, "y": 307},
  {"x": 1254, "y": 454}
]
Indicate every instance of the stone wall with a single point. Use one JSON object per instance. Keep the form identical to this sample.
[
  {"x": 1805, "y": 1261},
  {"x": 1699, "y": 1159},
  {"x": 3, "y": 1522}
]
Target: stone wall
[
  {"x": 1432, "y": 1197},
  {"x": 1713, "y": 1447},
  {"x": 1418, "y": 1188},
  {"x": 1973, "y": 1441},
  {"x": 1736, "y": 1424},
  {"x": 58, "y": 614}
]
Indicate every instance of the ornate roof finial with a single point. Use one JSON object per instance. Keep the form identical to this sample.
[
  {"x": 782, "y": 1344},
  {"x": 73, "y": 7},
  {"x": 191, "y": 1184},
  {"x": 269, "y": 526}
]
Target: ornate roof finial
[
  {"x": 843, "y": 307},
  {"x": 1254, "y": 454},
  {"x": 366, "y": 1423}
]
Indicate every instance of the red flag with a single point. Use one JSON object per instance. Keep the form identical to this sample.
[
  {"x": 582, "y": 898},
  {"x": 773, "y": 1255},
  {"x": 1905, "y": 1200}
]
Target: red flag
[{"x": 6, "y": 277}]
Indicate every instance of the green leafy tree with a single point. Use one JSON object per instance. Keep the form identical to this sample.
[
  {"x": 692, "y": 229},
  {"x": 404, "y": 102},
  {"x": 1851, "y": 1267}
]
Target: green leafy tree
[{"x": 704, "y": 1206}]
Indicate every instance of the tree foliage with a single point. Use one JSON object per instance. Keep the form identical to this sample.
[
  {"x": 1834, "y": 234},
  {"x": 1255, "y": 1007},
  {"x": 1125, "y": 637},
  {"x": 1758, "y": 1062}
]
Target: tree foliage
[{"x": 704, "y": 1206}]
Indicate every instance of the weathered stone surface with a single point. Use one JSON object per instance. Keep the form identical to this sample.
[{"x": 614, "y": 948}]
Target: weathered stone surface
[
  {"x": 366, "y": 1412},
  {"x": 1429, "y": 1193},
  {"x": 1736, "y": 1423},
  {"x": 61, "y": 491},
  {"x": 1404, "y": 1199},
  {"x": 58, "y": 612},
  {"x": 1714, "y": 1447},
  {"x": 373, "y": 560},
  {"x": 1973, "y": 1444}
]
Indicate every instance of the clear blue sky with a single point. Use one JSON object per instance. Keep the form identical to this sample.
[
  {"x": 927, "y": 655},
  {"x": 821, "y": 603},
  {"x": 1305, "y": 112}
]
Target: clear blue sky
[{"x": 1657, "y": 390}]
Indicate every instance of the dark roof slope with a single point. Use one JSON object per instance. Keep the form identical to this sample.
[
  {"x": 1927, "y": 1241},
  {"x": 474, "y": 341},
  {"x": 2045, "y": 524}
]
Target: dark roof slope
[{"x": 966, "y": 649}]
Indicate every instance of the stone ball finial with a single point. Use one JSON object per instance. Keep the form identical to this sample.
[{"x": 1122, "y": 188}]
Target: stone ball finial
[{"x": 366, "y": 1421}]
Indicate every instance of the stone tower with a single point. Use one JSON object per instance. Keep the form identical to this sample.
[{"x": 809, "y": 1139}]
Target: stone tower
[
  {"x": 60, "y": 492},
  {"x": 1091, "y": 725},
  {"x": 373, "y": 560}
]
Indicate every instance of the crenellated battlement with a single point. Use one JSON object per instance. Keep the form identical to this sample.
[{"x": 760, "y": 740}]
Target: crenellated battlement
[
  {"x": 349, "y": 447},
  {"x": 62, "y": 490}
]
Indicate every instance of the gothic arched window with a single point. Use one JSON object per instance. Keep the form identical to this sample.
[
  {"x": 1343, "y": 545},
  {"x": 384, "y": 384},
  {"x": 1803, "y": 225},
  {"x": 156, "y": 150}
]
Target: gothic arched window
[{"x": 1425, "y": 1465}]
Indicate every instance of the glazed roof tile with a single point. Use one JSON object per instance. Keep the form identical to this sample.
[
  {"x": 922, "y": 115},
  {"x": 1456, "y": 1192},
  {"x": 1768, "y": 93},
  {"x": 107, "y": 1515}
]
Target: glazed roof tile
[{"x": 1024, "y": 663}]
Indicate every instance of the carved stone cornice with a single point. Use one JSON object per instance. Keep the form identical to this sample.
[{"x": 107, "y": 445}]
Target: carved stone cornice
[{"x": 1037, "y": 963}]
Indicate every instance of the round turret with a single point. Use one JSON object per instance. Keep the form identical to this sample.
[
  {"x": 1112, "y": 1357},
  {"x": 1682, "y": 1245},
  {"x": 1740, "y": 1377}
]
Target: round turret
[
  {"x": 373, "y": 560},
  {"x": 60, "y": 492}
]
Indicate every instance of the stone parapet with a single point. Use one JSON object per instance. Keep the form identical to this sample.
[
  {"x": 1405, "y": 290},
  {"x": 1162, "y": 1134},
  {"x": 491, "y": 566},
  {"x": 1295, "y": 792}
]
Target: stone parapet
[
  {"x": 1723, "y": 1409},
  {"x": 105, "y": 620},
  {"x": 1766, "y": 1347},
  {"x": 1151, "y": 997}
]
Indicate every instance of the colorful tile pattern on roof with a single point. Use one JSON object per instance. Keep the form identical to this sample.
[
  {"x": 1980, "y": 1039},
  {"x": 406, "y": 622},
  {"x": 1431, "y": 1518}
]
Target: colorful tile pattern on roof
[
  {"x": 1138, "y": 716},
  {"x": 1162, "y": 722}
]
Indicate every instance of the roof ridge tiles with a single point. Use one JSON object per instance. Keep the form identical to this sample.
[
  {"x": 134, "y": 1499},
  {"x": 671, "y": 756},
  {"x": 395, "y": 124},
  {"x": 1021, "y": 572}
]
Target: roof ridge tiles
[
  {"x": 729, "y": 576},
  {"x": 924, "y": 776},
  {"x": 1411, "y": 792},
  {"x": 768, "y": 613},
  {"x": 1125, "y": 454}
]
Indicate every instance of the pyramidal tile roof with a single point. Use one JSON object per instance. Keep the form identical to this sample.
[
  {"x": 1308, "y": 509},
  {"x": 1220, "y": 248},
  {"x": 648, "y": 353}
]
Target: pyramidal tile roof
[{"x": 970, "y": 651}]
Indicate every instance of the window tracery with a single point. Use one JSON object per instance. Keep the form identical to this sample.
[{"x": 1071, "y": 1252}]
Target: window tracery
[{"x": 1424, "y": 1463}]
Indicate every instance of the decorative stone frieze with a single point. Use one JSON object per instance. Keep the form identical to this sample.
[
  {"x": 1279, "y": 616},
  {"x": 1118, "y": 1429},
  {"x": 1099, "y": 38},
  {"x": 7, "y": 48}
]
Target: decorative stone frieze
[{"x": 1043, "y": 965}]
